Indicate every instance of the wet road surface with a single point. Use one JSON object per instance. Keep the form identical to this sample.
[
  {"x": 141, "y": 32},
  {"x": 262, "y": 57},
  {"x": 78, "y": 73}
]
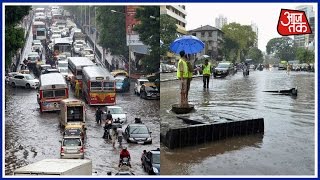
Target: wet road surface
[{"x": 287, "y": 146}]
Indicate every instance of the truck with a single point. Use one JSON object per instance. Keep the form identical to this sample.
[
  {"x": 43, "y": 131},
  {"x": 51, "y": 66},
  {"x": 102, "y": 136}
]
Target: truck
[
  {"x": 72, "y": 111},
  {"x": 56, "y": 167}
]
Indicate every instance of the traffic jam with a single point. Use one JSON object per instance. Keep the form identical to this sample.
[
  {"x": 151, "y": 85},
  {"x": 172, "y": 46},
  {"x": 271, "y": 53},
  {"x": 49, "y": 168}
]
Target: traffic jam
[{"x": 100, "y": 116}]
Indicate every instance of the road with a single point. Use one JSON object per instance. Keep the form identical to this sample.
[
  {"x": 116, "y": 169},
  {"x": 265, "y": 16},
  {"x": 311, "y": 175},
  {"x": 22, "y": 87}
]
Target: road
[
  {"x": 31, "y": 136},
  {"x": 287, "y": 146}
]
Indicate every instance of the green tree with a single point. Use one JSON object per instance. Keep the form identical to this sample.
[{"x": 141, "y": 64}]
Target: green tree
[
  {"x": 238, "y": 38},
  {"x": 305, "y": 55},
  {"x": 256, "y": 55},
  {"x": 149, "y": 34},
  {"x": 168, "y": 32},
  {"x": 112, "y": 29},
  {"x": 282, "y": 47},
  {"x": 14, "y": 36}
]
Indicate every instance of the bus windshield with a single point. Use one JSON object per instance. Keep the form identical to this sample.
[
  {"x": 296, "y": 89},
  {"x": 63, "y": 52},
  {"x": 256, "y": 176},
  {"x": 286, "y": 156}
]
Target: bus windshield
[{"x": 108, "y": 85}]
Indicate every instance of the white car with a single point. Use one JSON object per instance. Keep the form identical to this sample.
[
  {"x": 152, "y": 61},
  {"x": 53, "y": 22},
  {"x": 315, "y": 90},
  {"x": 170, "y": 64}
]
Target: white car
[
  {"x": 78, "y": 46},
  {"x": 63, "y": 68},
  {"x": 33, "y": 57},
  {"x": 88, "y": 52},
  {"x": 10, "y": 75},
  {"x": 24, "y": 80},
  {"x": 117, "y": 112},
  {"x": 137, "y": 85},
  {"x": 72, "y": 148}
]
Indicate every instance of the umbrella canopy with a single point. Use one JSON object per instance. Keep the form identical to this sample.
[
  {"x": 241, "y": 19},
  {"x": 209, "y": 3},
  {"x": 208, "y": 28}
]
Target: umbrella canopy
[{"x": 187, "y": 43}]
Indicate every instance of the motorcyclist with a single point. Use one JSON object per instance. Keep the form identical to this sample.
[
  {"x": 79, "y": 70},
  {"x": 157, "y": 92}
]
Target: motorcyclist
[
  {"x": 124, "y": 154},
  {"x": 109, "y": 116}
]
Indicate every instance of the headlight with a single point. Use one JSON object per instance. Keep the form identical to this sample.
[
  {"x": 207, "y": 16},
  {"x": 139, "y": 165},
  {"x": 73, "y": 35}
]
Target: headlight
[
  {"x": 149, "y": 139},
  {"x": 131, "y": 139},
  {"x": 155, "y": 170},
  {"x": 148, "y": 94}
]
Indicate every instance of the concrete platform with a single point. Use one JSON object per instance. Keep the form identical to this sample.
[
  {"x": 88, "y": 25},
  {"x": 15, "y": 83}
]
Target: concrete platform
[
  {"x": 196, "y": 132},
  {"x": 182, "y": 110}
]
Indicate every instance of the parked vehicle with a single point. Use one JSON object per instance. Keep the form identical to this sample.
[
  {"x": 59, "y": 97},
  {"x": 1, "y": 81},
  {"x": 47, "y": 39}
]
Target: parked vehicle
[
  {"x": 117, "y": 112},
  {"x": 137, "y": 85},
  {"x": 149, "y": 91},
  {"x": 224, "y": 69},
  {"x": 122, "y": 83},
  {"x": 137, "y": 133},
  {"x": 151, "y": 162},
  {"x": 72, "y": 111},
  {"x": 24, "y": 80},
  {"x": 56, "y": 167},
  {"x": 71, "y": 148}
]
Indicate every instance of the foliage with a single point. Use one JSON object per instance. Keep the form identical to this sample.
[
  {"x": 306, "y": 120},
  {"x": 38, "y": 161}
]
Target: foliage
[
  {"x": 14, "y": 36},
  {"x": 305, "y": 55},
  {"x": 168, "y": 32},
  {"x": 238, "y": 39},
  {"x": 256, "y": 55},
  {"x": 282, "y": 47},
  {"x": 149, "y": 34}
]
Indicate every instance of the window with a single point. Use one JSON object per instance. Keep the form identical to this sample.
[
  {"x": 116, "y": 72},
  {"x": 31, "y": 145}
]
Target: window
[
  {"x": 18, "y": 77},
  {"x": 79, "y": 73},
  {"x": 108, "y": 85},
  {"x": 210, "y": 34},
  {"x": 202, "y": 34},
  {"x": 60, "y": 93},
  {"x": 48, "y": 94},
  {"x": 72, "y": 142},
  {"x": 194, "y": 34},
  {"x": 40, "y": 33},
  {"x": 96, "y": 86}
]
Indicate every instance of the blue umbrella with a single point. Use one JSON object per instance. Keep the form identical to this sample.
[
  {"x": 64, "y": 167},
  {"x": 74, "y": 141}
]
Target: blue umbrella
[{"x": 187, "y": 43}]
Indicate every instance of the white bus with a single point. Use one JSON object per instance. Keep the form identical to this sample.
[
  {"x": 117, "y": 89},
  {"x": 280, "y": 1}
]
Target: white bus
[
  {"x": 62, "y": 46},
  {"x": 75, "y": 65},
  {"x": 53, "y": 89}
]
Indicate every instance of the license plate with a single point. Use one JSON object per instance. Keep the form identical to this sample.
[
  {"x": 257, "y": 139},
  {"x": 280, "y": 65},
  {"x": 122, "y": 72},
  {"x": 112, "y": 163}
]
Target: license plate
[
  {"x": 140, "y": 142},
  {"x": 219, "y": 72},
  {"x": 154, "y": 96}
]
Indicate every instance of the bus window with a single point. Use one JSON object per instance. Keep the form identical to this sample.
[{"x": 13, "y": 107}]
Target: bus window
[
  {"x": 79, "y": 72},
  {"x": 60, "y": 93},
  {"x": 108, "y": 85},
  {"x": 75, "y": 113},
  {"x": 48, "y": 94},
  {"x": 96, "y": 86}
]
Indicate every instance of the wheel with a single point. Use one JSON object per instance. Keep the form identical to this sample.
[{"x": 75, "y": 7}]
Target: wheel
[
  {"x": 13, "y": 84},
  {"x": 28, "y": 86}
]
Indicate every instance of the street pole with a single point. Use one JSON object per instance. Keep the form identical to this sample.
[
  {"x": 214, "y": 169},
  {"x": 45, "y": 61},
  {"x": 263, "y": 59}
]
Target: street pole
[
  {"x": 89, "y": 21},
  {"x": 129, "y": 44},
  {"x": 95, "y": 32}
]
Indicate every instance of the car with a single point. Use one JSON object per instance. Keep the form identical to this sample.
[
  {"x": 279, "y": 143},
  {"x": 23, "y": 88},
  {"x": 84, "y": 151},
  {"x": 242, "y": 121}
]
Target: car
[
  {"x": 36, "y": 41},
  {"x": 117, "y": 112},
  {"x": 149, "y": 91},
  {"x": 33, "y": 57},
  {"x": 74, "y": 129},
  {"x": 24, "y": 80},
  {"x": 51, "y": 71},
  {"x": 78, "y": 46},
  {"x": 137, "y": 133},
  {"x": 63, "y": 68},
  {"x": 10, "y": 75},
  {"x": 122, "y": 83},
  {"x": 44, "y": 67},
  {"x": 151, "y": 162},
  {"x": 71, "y": 148},
  {"x": 224, "y": 69},
  {"x": 137, "y": 85}
]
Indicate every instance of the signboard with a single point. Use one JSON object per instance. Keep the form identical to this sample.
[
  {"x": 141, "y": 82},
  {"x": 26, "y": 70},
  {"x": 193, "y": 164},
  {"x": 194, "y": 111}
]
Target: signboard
[{"x": 131, "y": 21}]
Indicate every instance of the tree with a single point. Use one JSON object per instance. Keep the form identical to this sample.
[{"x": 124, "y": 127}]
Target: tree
[
  {"x": 149, "y": 34},
  {"x": 239, "y": 39},
  {"x": 168, "y": 32},
  {"x": 256, "y": 55},
  {"x": 305, "y": 55},
  {"x": 112, "y": 29},
  {"x": 14, "y": 36},
  {"x": 282, "y": 47}
]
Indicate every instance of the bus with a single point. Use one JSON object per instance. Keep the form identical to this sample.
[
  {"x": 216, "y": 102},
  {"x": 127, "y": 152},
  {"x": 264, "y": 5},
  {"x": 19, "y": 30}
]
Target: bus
[
  {"x": 62, "y": 46},
  {"x": 36, "y": 25},
  {"x": 75, "y": 65},
  {"x": 98, "y": 86},
  {"x": 53, "y": 89},
  {"x": 56, "y": 16},
  {"x": 39, "y": 10},
  {"x": 41, "y": 34}
]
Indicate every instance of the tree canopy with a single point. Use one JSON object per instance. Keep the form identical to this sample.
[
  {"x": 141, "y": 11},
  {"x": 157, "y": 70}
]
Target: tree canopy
[
  {"x": 149, "y": 34},
  {"x": 14, "y": 36},
  {"x": 238, "y": 40},
  {"x": 282, "y": 47},
  {"x": 305, "y": 55},
  {"x": 168, "y": 32},
  {"x": 256, "y": 55}
]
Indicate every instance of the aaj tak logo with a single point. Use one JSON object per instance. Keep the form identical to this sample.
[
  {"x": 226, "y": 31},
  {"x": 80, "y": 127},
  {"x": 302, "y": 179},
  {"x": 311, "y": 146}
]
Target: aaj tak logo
[{"x": 293, "y": 22}]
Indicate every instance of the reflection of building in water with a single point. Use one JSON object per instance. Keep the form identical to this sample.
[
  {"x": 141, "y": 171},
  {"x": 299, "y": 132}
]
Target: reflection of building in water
[{"x": 306, "y": 40}]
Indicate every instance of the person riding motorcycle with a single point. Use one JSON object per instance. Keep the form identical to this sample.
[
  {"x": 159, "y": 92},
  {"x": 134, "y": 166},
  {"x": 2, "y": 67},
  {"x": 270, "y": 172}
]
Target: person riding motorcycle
[{"x": 124, "y": 154}]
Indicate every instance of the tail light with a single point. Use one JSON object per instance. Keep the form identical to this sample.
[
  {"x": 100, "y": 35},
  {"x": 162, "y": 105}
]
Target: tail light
[
  {"x": 81, "y": 150},
  {"x": 62, "y": 150}
]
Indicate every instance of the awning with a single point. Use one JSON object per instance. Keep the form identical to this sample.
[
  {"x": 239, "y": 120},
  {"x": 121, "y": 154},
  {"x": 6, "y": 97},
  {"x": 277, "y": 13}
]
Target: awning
[{"x": 141, "y": 49}]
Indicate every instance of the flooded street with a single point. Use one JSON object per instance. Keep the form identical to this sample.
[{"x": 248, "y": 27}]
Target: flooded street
[{"x": 287, "y": 146}]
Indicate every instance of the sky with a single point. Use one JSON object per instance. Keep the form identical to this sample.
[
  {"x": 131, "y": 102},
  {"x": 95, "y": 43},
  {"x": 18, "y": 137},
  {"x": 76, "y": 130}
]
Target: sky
[{"x": 264, "y": 15}]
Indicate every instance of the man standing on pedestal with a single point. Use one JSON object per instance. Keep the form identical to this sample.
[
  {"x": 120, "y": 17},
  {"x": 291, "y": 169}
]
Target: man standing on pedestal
[{"x": 182, "y": 75}]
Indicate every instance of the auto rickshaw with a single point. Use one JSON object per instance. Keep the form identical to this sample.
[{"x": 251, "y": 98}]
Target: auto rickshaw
[{"x": 75, "y": 129}]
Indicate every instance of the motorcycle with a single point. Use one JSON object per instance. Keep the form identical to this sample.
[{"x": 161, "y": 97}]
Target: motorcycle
[
  {"x": 107, "y": 128},
  {"x": 124, "y": 162}
]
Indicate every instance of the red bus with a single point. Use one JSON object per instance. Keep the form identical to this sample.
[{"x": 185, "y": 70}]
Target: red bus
[{"x": 98, "y": 86}]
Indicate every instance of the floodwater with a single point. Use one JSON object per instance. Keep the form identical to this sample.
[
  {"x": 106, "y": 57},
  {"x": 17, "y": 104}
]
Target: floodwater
[{"x": 287, "y": 146}]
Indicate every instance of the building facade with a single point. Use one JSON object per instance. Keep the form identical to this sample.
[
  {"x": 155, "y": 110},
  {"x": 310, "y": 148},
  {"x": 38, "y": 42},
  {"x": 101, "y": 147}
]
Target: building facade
[
  {"x": 307, "y": 40},
  {"x": 256, "y": 30},
  {"x": 221, "y": 21},
  {"x": 213, "y": 39},
  {"x": 178, "y": 12}
]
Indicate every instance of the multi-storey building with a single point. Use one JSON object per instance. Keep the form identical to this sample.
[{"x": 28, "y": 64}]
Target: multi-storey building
[
  {"x": 178, "y": 12},
  {"x": 306, "y": 40},
  {"x": 221, "y": 21}
]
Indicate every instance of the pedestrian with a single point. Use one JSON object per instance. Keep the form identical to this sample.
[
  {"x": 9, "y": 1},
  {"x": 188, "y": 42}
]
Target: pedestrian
[
  {"x": 109, "y": 116},
  {"x": 190, "y": 73},
  {"x": 113, "y": 135},
  {"x": 77, "y": 89},
  {"x": 143, "y": 154},
  {"x": 288, "y": 68},
  {"x": 206, "y": 72},
  {"x": 182, "y": 75},
  {"x": 119, "y": 135},
  {"x": 99, "y": 113}
]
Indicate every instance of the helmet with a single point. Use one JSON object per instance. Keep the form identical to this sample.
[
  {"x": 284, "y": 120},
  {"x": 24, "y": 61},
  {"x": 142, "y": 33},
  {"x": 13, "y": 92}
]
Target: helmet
[{"x": 124, "y": 148}]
